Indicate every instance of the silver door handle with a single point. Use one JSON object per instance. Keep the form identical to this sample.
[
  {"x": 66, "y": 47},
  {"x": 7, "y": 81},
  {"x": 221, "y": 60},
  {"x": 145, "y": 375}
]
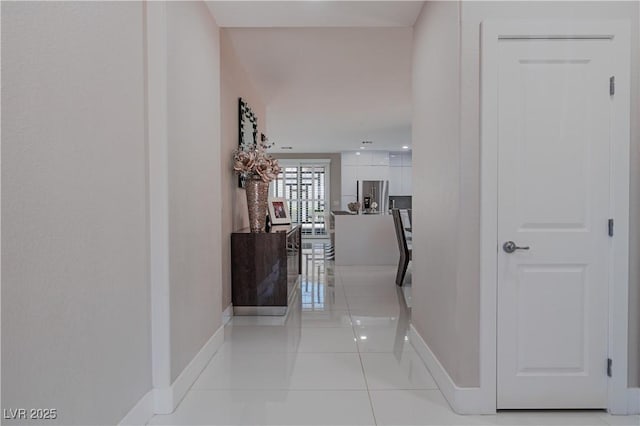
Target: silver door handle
[{"x": 510, "y": 247}]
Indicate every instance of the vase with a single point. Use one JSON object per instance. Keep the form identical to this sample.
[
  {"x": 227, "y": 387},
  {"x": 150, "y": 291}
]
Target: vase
[{"x": 257, "y": 192}]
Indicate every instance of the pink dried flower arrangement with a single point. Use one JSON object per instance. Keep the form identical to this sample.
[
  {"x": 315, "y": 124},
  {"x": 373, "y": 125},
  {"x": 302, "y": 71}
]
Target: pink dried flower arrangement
[{"x": 255, "y": 163}]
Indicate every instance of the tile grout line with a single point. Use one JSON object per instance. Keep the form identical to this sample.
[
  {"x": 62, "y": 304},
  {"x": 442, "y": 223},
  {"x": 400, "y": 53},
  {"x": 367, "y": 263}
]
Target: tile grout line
[
  {"x": 355, "y": 337},
  {"x": 364, "y": 375}
]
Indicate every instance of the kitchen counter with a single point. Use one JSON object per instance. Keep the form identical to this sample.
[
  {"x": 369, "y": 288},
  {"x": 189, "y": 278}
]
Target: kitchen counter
[{"x": 364, "y": 239}]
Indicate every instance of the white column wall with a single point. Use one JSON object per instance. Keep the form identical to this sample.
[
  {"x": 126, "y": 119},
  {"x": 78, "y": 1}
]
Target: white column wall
[{"x": 75, "y": 271}]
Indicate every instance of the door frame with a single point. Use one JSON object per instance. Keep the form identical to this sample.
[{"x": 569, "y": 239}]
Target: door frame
[{"x": 618, "y": 32}]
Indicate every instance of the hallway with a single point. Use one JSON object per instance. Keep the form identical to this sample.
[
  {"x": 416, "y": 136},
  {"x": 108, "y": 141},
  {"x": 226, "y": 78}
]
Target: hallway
[
  {"x": 341, "y": 357},
  {"x": 122, "y": 125}
]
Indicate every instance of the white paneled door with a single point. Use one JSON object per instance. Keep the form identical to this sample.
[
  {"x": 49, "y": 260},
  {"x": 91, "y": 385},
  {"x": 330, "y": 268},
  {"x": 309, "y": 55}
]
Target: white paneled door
[{"x": 554, "y": 111}]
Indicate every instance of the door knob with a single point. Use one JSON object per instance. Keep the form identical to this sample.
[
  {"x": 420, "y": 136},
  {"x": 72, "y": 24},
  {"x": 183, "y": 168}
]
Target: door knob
[{"x": 510, "y": 247}]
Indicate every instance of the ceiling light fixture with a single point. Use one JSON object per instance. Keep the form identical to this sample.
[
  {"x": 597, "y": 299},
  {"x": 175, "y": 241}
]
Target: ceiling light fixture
[
  {"x": 405, "y": 147},
  {"x": 358, "y": 153},
  {"x": 362, "y": 147}
]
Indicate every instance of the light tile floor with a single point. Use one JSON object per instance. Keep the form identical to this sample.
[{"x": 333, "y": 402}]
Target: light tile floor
[{"x": 341, "y": 358}]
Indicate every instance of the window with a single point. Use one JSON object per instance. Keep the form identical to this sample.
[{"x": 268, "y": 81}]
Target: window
[{"x": 305, "y": 185}]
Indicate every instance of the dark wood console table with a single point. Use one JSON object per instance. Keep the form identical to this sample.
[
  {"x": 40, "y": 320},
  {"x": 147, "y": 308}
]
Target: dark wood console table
[{"x": 265, "y": 269}]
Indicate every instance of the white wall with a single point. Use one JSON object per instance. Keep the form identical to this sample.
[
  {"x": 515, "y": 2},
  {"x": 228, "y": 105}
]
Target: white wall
[
  {"x": 194, "y": 140},
  {"x": 75, "y": 287},
  {"x": 235, "y": 84},
  {"x": 436, "y": 313},
  {"x": 450, "y": 195},
  {"x": 634, "y": 237},
  {"x": 76, "y": 315}
]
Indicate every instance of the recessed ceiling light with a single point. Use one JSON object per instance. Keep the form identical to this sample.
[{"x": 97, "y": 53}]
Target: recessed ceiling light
[
  {"x": 362, "y": 147},
  {"x": 358, "y": 153},
  {"x": 405, "y": 147}
]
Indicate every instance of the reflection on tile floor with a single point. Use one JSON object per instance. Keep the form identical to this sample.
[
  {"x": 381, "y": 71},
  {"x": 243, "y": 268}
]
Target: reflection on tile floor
[{"x": 342, "y": 357}]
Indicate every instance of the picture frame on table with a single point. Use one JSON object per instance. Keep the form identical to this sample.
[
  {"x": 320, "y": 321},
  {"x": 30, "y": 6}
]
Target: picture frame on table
[{"x": 278, "y": 211}]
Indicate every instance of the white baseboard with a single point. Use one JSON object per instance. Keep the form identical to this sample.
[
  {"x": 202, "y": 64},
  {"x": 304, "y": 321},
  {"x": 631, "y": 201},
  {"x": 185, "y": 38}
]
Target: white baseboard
[
  {"x": 462, "y": 400},
  {"x": 167, "y": 399},
  {"x": 141, "y": 413},
  {"x": 227, "y": 314},
  {"x": 634, "y": 401}
]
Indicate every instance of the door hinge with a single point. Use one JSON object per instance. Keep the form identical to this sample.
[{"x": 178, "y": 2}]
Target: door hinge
[
  {"x": 610, "y": 225},
  {"x": 612, "y": 85},
  {"x": 609, "y": 367}
]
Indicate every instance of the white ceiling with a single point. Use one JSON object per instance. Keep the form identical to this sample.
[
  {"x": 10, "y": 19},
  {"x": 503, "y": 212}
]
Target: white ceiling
[
  {"x": 328, "y": 89},
  {"x": 313, "y": 13}
]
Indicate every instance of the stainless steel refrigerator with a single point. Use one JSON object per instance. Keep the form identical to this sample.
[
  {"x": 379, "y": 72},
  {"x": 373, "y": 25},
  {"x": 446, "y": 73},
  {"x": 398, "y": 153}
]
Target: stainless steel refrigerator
[{"x": 373, "y": 196}]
